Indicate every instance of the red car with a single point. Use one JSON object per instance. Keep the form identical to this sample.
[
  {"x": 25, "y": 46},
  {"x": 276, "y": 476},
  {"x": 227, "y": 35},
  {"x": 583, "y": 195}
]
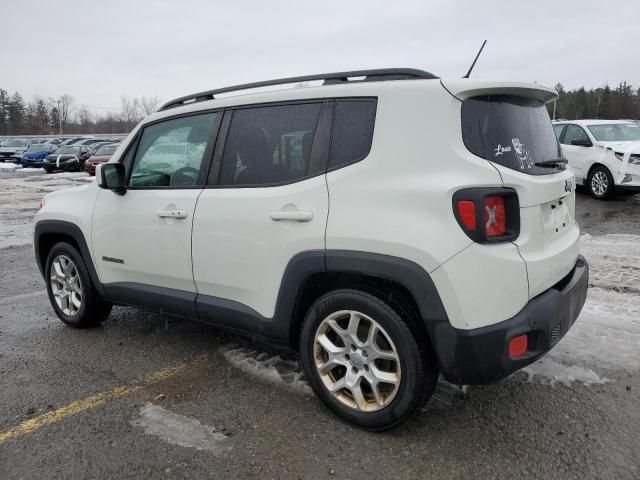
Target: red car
[{"x": 102, "y": 155}]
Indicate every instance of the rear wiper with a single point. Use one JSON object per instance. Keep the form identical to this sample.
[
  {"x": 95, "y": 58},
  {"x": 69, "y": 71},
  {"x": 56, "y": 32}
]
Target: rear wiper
[{"x": 554, "y": 162}]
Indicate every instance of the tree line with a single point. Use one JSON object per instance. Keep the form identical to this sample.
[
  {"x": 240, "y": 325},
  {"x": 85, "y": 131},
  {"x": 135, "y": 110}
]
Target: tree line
[
  {"x": 63, "y": 115},
  {"x": 622, "y": 102},
  {"x": 43, "y": 116}
]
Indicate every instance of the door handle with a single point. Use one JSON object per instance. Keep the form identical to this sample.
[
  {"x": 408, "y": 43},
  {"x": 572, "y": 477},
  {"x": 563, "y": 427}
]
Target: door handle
[
  {"x": 293, "y": 215},
  {"x": 173, "y": 213}
]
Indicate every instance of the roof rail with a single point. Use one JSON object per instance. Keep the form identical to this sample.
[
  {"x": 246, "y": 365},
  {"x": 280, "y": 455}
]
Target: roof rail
[{"x": 329, "y": 79}]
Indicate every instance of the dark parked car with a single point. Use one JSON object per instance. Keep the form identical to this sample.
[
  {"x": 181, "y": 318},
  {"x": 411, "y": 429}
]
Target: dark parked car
[
  {"x": 35, "y": 154},
  {"x": 102, "y": 155},
  {"x": 70, "y": 158},
  {"x": 13, "y": 149}
]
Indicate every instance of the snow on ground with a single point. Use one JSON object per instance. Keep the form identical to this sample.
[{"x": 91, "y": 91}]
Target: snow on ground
[{"x": 20, "y": 195}]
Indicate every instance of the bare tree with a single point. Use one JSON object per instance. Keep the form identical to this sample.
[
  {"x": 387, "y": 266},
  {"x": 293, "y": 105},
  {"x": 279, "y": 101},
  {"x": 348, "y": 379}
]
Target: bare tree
[
  {"x": 85, "y": 119},
  {"x": 130, "y": 111},
  {"x": 149, "y": 104},
  {"x": 66, "y": 103}
]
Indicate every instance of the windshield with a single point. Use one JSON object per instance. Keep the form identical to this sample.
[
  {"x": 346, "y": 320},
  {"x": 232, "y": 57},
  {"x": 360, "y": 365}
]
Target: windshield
[
  {"x": 616, "y": 132},
  {"x": 37, "y": 148},
  {"x": 16, "y": 142},
  {"x": 106, "y": 150},
  {"x": 514, "y": 132},
  {"x": 68, "y": 149}
]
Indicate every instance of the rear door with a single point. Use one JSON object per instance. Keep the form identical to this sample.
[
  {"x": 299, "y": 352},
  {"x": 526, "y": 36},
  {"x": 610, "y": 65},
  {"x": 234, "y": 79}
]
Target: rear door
[
  {"x": 142, "y": 239},
  {"x": 514, "y": 133},
  {"x": 266, "y": 202}
]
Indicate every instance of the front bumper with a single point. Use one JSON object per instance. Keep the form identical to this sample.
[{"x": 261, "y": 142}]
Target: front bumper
[{"x": 480, "y": 356}]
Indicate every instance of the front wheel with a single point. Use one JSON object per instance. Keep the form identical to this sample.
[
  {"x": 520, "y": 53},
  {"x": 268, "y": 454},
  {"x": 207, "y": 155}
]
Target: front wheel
[
  {"x": 600, "y": 183},
  {"x": 363, "y": 360},
  {"x": 71, "y": 292}
]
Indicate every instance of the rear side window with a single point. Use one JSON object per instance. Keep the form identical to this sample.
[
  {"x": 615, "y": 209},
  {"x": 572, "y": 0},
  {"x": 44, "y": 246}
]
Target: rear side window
[
  {"x": 353, "y": 122},
  {"x": 269, "y": 145},
  {"x": 515, "y": 132}
]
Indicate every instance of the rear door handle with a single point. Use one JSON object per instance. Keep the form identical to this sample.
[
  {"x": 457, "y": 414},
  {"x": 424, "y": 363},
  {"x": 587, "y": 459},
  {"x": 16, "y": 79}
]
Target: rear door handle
[
  {"x": 172, "y": 213},
  {"x": 292, "y": 215}
]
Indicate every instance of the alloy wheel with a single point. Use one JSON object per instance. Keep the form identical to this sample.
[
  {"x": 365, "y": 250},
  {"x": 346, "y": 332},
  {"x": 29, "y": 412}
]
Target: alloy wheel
[
  {"x": 599, "y": 183},
  {"x": 66, "y": 285},
  {"x": 357, "y": 361}
]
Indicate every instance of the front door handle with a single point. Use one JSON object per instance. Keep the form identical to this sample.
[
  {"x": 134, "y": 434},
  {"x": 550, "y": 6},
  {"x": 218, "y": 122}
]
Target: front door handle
[
  {"x": 172, "y": 213},
  {"x": 292, "y": 215}
]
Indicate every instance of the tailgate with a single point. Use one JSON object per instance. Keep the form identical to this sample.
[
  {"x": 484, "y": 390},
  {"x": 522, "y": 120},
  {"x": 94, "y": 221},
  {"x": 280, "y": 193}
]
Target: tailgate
[{"x": 549, "y": 234}]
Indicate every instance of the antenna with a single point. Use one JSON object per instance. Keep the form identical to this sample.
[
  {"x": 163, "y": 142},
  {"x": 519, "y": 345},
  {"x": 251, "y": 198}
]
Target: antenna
[{"x": 475, "y": 60}]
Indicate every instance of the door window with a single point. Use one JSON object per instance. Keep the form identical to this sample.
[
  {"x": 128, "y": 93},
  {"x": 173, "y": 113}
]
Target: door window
[
  {"x": 574, "y": 132},
  {"x": 171, "y": 153},
  {"x": 269, "y": 145}
]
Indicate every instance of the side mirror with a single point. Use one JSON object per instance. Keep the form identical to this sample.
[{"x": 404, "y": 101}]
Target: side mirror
[
  {"x": 582, "y": 142},
  {"x": 110, "y": 176}
]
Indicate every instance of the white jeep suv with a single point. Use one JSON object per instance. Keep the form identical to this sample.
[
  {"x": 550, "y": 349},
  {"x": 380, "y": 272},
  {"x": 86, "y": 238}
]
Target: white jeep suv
[
  {"x": 604, "y": 154},
  {"x": 391, "y": 225}
]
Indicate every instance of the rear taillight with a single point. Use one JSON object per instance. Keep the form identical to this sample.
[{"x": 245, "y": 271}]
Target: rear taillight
[{"x": 488, "y": 215}]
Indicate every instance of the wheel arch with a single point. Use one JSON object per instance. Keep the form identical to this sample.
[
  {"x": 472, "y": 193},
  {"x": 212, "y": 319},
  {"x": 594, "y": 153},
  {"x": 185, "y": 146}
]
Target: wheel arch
[
  {"x": 49, "y": 232},
  {"x": 400, "y": 282}
]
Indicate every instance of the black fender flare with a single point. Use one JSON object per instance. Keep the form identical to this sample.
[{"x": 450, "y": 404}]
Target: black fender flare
[{"x": 61, "y": 227}]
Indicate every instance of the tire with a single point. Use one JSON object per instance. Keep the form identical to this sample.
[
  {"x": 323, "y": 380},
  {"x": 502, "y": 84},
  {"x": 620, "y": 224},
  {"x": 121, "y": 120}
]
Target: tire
[
  {"x": 66, "y": 272},
  {"x": 47, "y": 170},
  {"x": 414, "y": 367},
  {"x": 600, "y": 183}
]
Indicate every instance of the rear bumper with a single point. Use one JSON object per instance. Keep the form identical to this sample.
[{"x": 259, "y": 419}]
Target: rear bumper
[{"x": 481, "y": 355}]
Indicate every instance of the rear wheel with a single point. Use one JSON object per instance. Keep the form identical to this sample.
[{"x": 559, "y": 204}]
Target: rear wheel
[
  {"x": 600, "y": 183},
  {"x": 71, "y": 292},
  {"x": 363, "y": 360},
  {"x": 47, "y": 170}
]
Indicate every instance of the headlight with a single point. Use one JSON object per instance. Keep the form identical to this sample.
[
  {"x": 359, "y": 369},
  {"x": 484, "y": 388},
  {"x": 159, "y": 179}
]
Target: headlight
[{"x": 634, "y": 158}]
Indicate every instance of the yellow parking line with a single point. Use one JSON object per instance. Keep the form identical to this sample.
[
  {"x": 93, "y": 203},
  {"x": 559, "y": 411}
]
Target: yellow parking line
[
  {"x": 88, "y": 403},
  {"x": 22, "y": 296}
]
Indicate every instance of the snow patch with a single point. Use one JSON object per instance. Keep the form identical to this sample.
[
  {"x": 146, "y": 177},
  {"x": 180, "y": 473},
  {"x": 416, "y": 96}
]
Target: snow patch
[
  {"x": 548, "y": 371},
  {"x": 268, "y": 367},
  {"x": 9, "y": 167},
  {"x": 20, "y": 196},
  {"x": 178, "y": 429}
]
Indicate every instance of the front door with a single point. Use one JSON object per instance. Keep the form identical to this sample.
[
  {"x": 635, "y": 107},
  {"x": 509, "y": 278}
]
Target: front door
[
  {"x": 578, "y": 156},
  {"x": 142, "y": 239}
]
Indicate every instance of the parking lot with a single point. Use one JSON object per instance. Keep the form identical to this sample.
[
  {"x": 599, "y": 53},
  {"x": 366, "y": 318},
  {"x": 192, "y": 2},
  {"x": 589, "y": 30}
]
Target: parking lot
[{"x": 148, "y": 396}]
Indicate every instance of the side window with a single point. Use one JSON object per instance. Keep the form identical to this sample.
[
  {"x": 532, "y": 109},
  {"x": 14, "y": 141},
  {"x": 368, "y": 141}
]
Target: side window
[
  {"x": 353, "y": 122},
  {"x": 170, "y": 153},
  {"x": 558, "y": 130},
  {"x": 269, "y": 144},
  {"x": 574, "y": 132}
]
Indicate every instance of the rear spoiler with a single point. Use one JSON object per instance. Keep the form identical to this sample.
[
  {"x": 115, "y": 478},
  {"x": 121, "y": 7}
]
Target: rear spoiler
[{"x": 462, "y": 88}]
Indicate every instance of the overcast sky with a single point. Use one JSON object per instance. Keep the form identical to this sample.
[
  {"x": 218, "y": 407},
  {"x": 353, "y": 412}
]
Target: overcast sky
[{"x": 98, "y": 51}]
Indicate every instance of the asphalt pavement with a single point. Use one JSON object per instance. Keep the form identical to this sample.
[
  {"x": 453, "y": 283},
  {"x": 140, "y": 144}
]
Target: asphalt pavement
[{"x": 147, "y": 396}]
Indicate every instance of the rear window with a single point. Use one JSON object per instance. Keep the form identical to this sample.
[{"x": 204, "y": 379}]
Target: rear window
[{"x": 515, "y": 132}]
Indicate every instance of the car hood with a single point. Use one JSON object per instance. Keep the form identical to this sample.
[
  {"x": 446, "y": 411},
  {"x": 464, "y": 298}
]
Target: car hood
[
  {"x": 622, "y": 147},
  {"x": 11, "y": 149},
  {"x": 99, "y": 158},
  {"x": 34, "y": 155},
  {"x": 63, "y": 156}
]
